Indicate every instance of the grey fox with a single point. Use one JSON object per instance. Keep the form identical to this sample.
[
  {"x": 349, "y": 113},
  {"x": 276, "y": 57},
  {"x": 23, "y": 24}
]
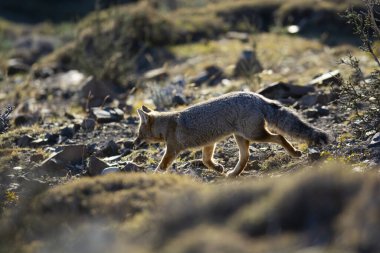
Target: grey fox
[{"x": 243, "y": 114}]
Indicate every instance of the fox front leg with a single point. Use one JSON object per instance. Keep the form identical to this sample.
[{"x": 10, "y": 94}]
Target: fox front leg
[{"x": 166, "y": 160}]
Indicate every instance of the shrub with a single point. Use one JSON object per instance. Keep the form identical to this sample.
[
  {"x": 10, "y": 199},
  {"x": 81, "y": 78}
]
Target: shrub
[
  {"x": 4, "y": 119},
  {"x": 360, "y": 94}
]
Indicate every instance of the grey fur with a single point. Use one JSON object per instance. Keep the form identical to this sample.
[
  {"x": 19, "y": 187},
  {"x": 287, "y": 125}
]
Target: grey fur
[{"x": 241, "y": 113}]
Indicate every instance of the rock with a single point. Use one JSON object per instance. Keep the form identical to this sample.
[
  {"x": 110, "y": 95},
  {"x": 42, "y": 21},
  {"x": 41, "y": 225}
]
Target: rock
[
  {"x": 68, "y": 132},
  {"x": 247, "y": 64},
  {"x": 96, "y": 166},
  {"x": 94, "y": 92},
  {"x": 325, "y": 98},
  {"x": 110, "y": 149},
  {"x": 313, "y": 99},
  {"x": 313, "y": 154},
  {"x": 323, "y": 111},
  {"x": 215, "y": 74},
  {"x": 128, "y": 144},
  {"x": 293, "y": 29},
  {"x": 281, "y": 90},
  {"x": 67, "y": 155},
  {"x": 178, "y": 100},
  {"x": 52, "y": 139},
  {"x": 212, "y": 74},
  {"x": 312, "y": 113},
  {"x": 24, "y": 141},
  {"x": 308, "y": 100},
  {"x": 107, "y": 114},
  {"x": 244, "y": 37},
  {"x": 112, "y": 159},
  {"x": 16, "y": 66},
  {"x": 199, "y": 79},
  {"x": 26, "y": 119},
  {"x": 375, "y": 141},
  {"x": 332, "y": 77},
  {"x": 39, "y": 142},
  {"x": 110, "y": 170},
  {"x": 72, "y": 153},
  {"x": 159, "y": 74},
  {"x": 88, "y": 125},
  {"x": 132, "y": 167}
]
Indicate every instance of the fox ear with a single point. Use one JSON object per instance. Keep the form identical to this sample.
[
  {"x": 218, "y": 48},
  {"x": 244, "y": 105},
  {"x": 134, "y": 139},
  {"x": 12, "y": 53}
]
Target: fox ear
[
  {"x": 146, "y": 109},
  {"x": 143, "y": 116}
]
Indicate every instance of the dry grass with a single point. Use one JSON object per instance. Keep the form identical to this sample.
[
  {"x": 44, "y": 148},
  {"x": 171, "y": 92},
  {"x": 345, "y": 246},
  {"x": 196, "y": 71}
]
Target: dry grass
[{"x": 320, "y": 208}]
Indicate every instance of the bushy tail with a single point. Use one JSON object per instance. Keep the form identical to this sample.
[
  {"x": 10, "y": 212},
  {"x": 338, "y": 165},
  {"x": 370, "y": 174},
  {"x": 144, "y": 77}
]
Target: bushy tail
[{"x": 287, "y": 122}]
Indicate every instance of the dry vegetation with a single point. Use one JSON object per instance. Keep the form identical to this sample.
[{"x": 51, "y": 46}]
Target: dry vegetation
[{"x": 316, "y": 208}]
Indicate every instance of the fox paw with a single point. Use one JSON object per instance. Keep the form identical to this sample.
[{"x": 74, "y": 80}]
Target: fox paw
[
  {"x": 159, "y": 171},
  {"x": 297, "y": 153},
  {"x": 218, "y": 167},
  {"x": 231, "y": 174}
]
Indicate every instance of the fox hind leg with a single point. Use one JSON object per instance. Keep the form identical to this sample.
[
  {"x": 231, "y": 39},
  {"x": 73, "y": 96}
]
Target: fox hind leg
[
  {"x": 208, "y": 161},
  {"x": 243, "y": 145}
]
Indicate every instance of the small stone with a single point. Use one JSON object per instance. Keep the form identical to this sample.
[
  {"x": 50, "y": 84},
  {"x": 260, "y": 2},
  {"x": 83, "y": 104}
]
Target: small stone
[
  {"x": 106, "y": 115},
  {"x": 25, "y": 119},
  {"x": 72, "y": 153},
  {"x": 312, "y": 113},
  {"x": 178, "y": 100},
  {"x": 88, "y": 124},
  {"x": 375, "y": 142},
  {"x": 52, "y": 138},
  {"x": 110, "y": 149},
  {"x": 212, "y": 74},
  {"x": 332, "y": 77},
  {"x": 292, "y": 29},
  {"x": 200, "y": 78},
  {"x": 24, "y": 141},
  {"x": 96, "y": 166},
  {"x": 110, "y": 170},
  {"x": 17, "y": 168},
  {"x": 128, "y": 144},
  {"x": 308, "y": 101},
  {"x": 132, "y": 167},
  {"x": 16, "y": 66},
  {"x": 281, "y": 90},
  {"x": 67, "y": 132},
  {"x": 313, "y": 154},
  {"x": 323, "y": 111}
]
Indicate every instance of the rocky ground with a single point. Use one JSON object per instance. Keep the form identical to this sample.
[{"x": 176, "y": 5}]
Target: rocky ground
[{"x": 69, "y": 125}]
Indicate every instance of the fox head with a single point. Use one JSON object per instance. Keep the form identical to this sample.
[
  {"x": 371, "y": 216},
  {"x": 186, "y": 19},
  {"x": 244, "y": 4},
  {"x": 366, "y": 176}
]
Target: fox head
[{"x": 146, "y": 132}]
